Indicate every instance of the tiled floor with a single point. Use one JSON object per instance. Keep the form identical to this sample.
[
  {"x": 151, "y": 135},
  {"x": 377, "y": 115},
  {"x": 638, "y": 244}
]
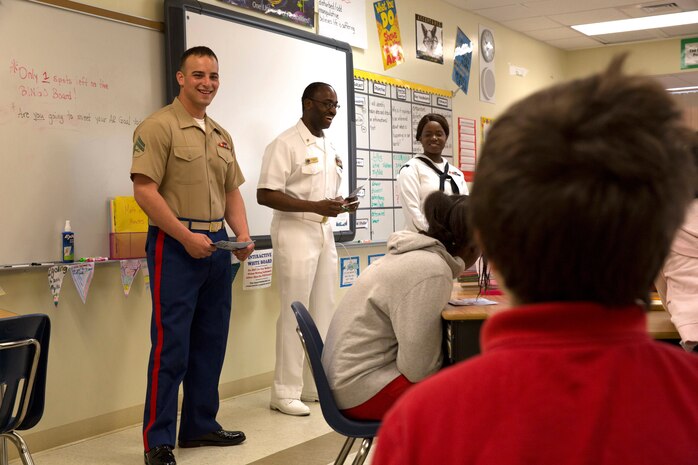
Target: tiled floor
[{"x": 272, "y": 439}]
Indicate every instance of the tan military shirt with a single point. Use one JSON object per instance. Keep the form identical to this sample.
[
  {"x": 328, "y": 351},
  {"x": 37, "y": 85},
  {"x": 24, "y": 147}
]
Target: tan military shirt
[{"x": 193, "y": 170}]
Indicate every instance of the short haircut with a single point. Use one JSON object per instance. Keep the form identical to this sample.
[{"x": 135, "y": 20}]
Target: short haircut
[
  {"x": 447, "y": 216},
  {"x": 581, "y": 187},
  {"x": 311, "y": 89},
  {"x": 431, "y": 117},
  {"x": 198, "y": 51}
]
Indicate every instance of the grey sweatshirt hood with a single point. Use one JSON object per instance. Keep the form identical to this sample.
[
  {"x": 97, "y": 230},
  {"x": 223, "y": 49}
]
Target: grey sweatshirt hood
[{"x": 405, "y": 241}]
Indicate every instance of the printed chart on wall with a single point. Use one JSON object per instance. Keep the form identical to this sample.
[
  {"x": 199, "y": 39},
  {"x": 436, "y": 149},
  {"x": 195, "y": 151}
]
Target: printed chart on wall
[{"x": 387, "y": 113}]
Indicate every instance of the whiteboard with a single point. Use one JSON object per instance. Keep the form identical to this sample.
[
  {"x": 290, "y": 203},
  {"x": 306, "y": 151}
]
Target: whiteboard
[
  {"x": 385, "y": 144},
  {"x": 264, "y": 68},
  {"x": 72, "y": 90}
]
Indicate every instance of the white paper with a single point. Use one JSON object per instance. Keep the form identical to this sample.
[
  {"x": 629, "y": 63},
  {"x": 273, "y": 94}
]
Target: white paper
[
  {"x": 257, "y": 269},
  {"x": 228, "y": 245}
]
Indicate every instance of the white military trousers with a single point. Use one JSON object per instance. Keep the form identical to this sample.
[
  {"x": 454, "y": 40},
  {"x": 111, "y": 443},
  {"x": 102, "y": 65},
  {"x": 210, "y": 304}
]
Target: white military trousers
[{"x": 305, "y": 258}]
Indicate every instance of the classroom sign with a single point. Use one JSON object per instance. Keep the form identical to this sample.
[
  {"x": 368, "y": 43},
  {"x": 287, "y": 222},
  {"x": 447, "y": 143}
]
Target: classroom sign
[{"x": 389, "y": 33}]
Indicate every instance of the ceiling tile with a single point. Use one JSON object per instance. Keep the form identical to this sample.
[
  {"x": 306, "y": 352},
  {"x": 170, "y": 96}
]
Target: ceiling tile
[
  {"x": 531, "y": 24},
  {"x": 554, "y": 34},
  {"x": 690, "y": 30},
  {"x": 555, "y": 7},
  {"x": 591, "y": 16},
  {"x": 671, "y": 81},
  {"x": 574, "y": 43},
  {"x": 478, "y": 4},
  {"x": 502, "y": 14}
]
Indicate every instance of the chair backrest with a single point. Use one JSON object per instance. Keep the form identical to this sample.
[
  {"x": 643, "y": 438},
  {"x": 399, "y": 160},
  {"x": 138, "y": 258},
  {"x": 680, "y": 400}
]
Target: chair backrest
[
  {"x": 24, "y": 342},
  {"x": 313, "y": 345}
]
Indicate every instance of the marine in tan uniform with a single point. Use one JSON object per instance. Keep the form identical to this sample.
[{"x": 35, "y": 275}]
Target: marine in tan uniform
[{"x": 186, "y": 178}]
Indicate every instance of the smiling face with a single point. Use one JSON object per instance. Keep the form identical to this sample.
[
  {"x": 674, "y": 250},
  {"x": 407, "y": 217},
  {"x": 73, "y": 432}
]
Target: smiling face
[
  {"x": 198, "y": 83},
  {"x": 320, "y": 110},
  {"x": 433, "y": 139}
]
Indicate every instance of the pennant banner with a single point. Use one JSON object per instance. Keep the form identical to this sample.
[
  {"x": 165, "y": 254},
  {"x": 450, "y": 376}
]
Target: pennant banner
[
  {"x": 129, "y": 270},
  {"x": 55, "y": 281},
  {"x": 82, "y": 277},
  {"x": 146, "y": 273}
]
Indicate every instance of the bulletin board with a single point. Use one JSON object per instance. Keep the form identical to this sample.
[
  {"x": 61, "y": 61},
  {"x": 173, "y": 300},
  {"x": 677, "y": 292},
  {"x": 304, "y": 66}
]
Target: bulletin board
[{"x": 387, "y": 113}]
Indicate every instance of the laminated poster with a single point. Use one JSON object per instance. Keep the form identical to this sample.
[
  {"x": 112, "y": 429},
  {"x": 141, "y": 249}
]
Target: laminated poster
[
  {"x": 349, "y": 271},
  {"x": 389, "y": 33}
]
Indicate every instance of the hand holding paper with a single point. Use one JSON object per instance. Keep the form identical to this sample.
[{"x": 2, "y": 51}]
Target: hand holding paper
[{"x": 228, "y": 245}]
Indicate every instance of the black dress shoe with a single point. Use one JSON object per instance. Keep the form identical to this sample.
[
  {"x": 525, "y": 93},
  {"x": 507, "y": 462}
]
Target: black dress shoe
[
  {"x": 160, "y": 455},
  {"x": 220, "y": 438}
]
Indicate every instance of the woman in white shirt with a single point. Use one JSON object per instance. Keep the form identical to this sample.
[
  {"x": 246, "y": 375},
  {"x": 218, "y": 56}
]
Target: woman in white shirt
[{"x": 429, "y": 172}]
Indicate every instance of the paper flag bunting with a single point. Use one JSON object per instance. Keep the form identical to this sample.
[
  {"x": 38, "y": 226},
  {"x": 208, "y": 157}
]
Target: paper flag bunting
[
  {"x": 55, "y": 281},
  {"x": 129, "y": 270},
  {"x": 146, "y": 273},
  {"x": 82, "y": 277}
]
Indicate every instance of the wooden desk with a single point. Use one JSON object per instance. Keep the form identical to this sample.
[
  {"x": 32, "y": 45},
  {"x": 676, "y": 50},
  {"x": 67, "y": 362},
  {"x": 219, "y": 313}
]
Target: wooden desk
[
  {"x": 462, "y": 323},
  {"x": 6, "y": 313}
]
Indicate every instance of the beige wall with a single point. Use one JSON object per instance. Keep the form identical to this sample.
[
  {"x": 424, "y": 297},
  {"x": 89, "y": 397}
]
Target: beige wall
[
  {"x": 650, "y": 58},
  {"x": 98, "y": 355}
]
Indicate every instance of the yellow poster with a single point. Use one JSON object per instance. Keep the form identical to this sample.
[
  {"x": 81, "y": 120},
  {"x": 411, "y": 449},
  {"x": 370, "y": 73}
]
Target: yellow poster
[
  {"x": 128, "y": 216},
  {"x": 388, "y": 33}
]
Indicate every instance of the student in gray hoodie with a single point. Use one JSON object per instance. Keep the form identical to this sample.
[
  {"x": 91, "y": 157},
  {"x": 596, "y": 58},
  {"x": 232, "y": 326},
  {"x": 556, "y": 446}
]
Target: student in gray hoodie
[{"x": 386, "y": 332}]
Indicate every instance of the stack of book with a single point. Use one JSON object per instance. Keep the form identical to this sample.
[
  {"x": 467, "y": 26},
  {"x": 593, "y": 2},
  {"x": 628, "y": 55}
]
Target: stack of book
[{"x": 473, "y": 279}]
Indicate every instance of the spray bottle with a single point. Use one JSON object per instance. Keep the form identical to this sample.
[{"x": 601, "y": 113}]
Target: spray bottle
[{"x": 68, "y": 239}]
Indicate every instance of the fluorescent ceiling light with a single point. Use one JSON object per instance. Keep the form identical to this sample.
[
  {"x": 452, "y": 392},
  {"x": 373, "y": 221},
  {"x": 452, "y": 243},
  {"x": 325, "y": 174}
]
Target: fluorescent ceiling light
[
  {"x": 683, "y": 89},
  {"x": 638, "y": 24}
]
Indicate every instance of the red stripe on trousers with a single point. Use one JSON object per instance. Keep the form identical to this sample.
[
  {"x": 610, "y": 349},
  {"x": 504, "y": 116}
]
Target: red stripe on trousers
[{"x": 158, "y": 347}]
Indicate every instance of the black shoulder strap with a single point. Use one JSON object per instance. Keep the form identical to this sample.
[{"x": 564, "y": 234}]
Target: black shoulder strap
[{"x": 443, "y": 176}]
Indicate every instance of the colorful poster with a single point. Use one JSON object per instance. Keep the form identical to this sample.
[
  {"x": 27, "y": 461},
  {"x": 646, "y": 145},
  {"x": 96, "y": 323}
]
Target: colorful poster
[
  {"x": 389, "y": 33},
  {"x": 462, "y": 59},
  {"x": 429, "y": 34},
  {"x": 257, "y": 269},
  {"x": 129, "y": 270},
  {"x": 82, "y": 277},
  {"x": 348, "y": 271},
  {"x": 55, "y": 281},
  {"x": 343, "y": 20},
  {"x": 297, "y": 11},
  {"x": 374, "y": 257}
]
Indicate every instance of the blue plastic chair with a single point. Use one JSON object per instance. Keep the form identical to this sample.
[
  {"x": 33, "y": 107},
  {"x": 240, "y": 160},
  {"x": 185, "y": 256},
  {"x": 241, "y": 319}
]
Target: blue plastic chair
[
  {"x": 352, "y": 429},
  {"x": 24, "y": 344}
]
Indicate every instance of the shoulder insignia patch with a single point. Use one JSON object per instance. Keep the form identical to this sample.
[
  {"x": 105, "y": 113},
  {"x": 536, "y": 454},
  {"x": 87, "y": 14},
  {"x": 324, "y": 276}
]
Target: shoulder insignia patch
[{"x": 139, "y": 145}]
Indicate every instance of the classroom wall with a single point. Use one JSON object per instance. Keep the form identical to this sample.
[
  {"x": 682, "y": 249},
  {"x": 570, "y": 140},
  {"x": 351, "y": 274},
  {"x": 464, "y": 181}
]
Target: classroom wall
[
  {"x": 98, "y": 355},
  {"x": 650, "y": 58}
]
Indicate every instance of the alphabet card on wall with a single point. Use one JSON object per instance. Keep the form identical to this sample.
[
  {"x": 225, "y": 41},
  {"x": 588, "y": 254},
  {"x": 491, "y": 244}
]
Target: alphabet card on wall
[{"x": 429, "y": 34}]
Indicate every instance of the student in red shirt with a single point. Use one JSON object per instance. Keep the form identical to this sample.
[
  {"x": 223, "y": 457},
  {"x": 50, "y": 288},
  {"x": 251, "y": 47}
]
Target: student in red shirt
[{"x": 578, "y": 194}]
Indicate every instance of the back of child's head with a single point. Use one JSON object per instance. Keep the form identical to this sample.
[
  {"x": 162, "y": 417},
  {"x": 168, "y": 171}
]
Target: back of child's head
[
  {"x": 581, "y": 187},
  {"x": 447, "y": 216}
]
